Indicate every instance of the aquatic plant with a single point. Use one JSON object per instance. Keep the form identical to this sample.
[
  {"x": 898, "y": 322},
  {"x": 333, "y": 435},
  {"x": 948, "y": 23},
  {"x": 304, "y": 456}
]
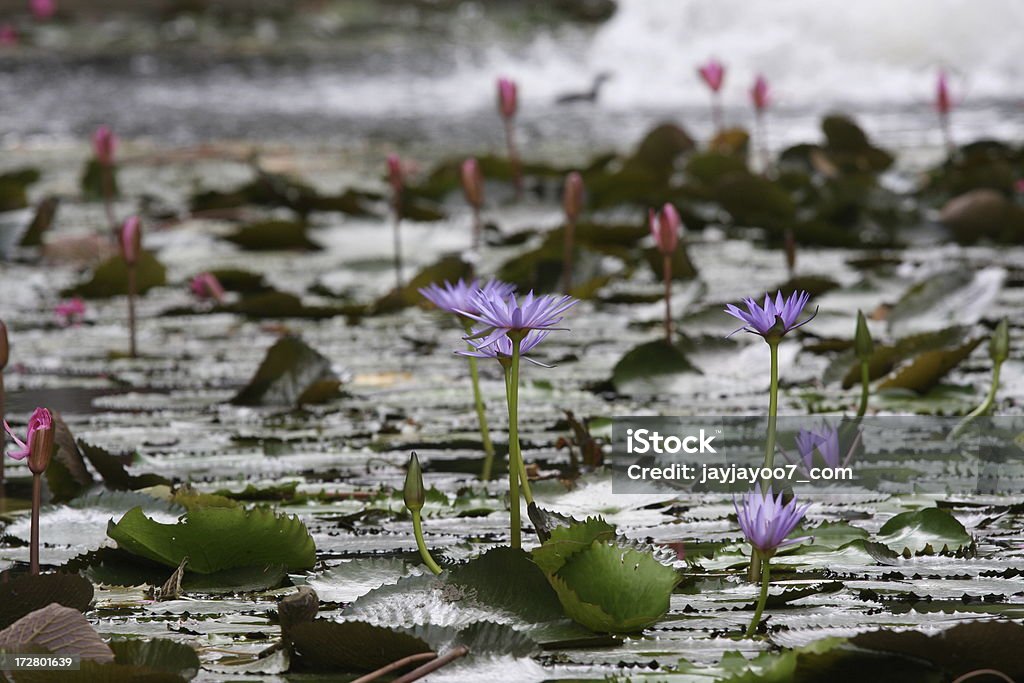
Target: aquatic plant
[
  {"x": 38, "y": 448},
  {"x": 397, "y": 181},
  {"x": 760, "y": 97},
  {"x": 863, "y": 347},
  {"x": 461, "y": 296},
  {"x": 414, "y": 497},
  {"x": 205, "y": 286},
  {"x": 944, "y": 108},
  {"x": 472, "y": 180},
  {"x": 508, "y": 106},
  {"x": 104, "y": 148},
  {"x": 8, "y": 35},
  {"x": 42, "y": 10},
  {"x": 572, "y": 204},
  {"x": 665, "y": 227},
  {"x": 712, "y": 73},
  {"x": 507, "y": 327},
  {"x": 131, "y": 246},
  {"x": 766, "y": 523},
  {"x": 998, "y": 352},
  {"x": 823, "y": 441},
  {"x": 70, "y": 311}
]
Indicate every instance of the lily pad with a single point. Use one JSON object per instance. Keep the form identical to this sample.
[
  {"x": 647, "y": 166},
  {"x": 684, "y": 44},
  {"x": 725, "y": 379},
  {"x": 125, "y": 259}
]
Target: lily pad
[
  {"x": 110, "y": 278},
  {"x": 27, "y": 593},
  {"x": 217, "y": 538},
  {"x": 111, "y": 469},
  {"x": 291, "y": 374},
  {"x": 925, "y": 532},
  {"x": 273, "y": 236},
  {"x": 351, "y": 646},
  {"x": 55, "y": 629},
  {"x": 652, "y": 368}
]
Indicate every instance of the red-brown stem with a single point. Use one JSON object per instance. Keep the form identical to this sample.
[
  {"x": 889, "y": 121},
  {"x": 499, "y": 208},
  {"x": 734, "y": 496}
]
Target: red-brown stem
[
  {"x": 477, "y": 227},
  {"x": 667, "y": 272},
  {"x": 570, "y": 235},
  {"x": 431, "y": 667},
  {"x": 394, "y": 666},
  {"x": 132, "y": 285},
  {"x": 107, "y": 181},
  {"x": 37, "y": 501},
  {"x": 947, "y": 134},
  {"x": 716, "y": 112},
  {"x": 513, "y": 157},
  {"x": 762, "y": 143},
  {"x": 396, "y": 215}
]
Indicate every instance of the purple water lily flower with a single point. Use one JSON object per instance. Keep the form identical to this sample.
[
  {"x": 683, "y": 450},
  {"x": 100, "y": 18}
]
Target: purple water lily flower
[
  {"x": 773, "y": 319},
  {"x": 40, "y": 421},
  {"x": 824, "y": 440},
  {"x": 502, "y": 347},
  {"x": 460, "y": 297},
  {"x": 766, "y": 522},
  {"x": 501, "y": 316}
]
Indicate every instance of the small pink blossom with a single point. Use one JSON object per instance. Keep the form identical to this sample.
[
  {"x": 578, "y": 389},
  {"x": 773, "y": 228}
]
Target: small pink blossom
[
  {"x": 395, "y": 173},
  {"x": 42, "y": 9},
  {"x": 70, "y": 311},
  {"x": 8, "y": 35},
  {"x": 713, "y": 73},
  {"x": 665, "y": 226},
  {"x": 206, "y": 286},
  {"x": 40, "y": 421},
  {"x": 508, "y": 97},
  {"x": 104, "y": 144},
  {"x": 759, "y": 93},
  {"x": 131, "y": 239},
  {"x": 472, "y": 182},
  {"x": 943, "y": 100}
]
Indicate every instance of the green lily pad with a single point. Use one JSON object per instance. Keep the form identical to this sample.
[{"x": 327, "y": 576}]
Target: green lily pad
[
  {"x": 275, "y": 235},
  {"x": 292, "y": 373},
  {"x": 26, "y": 593},
  {"x": 112, "y": 470},
  {"x": 94, "y": 187},
  {"x": 565, "y": 541},
  {"x": 217, "y": 538},
  {"x": 46, "y": 211},
  {"x": 110, "y": 278},
  {"x": 925, "y": 532},
  {"x": 158, "y": 655},
  {"x": 652, "y": 368},
  {"x": 927, "y": 369}
]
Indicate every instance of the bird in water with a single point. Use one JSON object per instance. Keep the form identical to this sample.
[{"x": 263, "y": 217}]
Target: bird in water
[{"x": 588, "y": 96}]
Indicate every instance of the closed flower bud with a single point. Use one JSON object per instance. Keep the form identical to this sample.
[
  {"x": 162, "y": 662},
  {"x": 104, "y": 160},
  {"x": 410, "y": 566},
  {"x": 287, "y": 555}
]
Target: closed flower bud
[
  {"x": 572, "y": 196},
  {"x": 131, "y": 240},
  {"x": 759, "y": 93},
  {"x": 508, "y": 97},
  {"x": 863, "y": 345},
  {"x": 5, "y": 347},
  {"x": 665, "y": 228},
  {"x": 413, "y": 492},
  {"x": 999, "y": 344},
  {"x": 395, "y": 176},
  {"x": 104, "y": 144},
  {"x": 472, "y": 183},
  {"x": 39, "y": 442},
  {"x": 713, "y": 74},
  {"x": 943, "y": 101}
]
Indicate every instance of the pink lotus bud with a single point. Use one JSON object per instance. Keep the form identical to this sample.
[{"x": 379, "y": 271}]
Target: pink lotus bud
[
  {"x": 70, "y": 312},
  {"x": 759, "y": 93},
  {"x": 5, "y": 349},
  {"x": 572, "y": 195},
  {"x": 38, "y": 445},
  {"x": 713, "y": 73},
  {"x": 395, "y": 175},
  {"x": 665, "y": 228},
  {"x": 207, "y": 286},
  {"x": 8, "y": 35},
  {"x": 42, "y": 9},
  {"x": 472, "y": 183},
  {"x": 508, "y": 98},
  {"x": 131, "y": 240},
  {"x": 104, "y": 144},
  {"x": 943, "y": 101}
]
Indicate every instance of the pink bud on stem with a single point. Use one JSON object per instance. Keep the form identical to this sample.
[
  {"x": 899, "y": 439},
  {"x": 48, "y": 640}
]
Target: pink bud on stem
[
  {"x": 572, "y": 204},
  {"x": 131, "y": 246},
  {"x": 42, "y": 10},
  {"x": 38, "y": 448},
  {"x": 396, "y": 179},
  {"x": 104, "y": 145},
  {"x": 508, "y": 105},
  {"x": 712, "y": 73},
  {"x": 665, "y": 226},
  {"x": 944, "y": 107},
  {"x": 760, "y": 97},
  {"x": 473, "y": 189}
]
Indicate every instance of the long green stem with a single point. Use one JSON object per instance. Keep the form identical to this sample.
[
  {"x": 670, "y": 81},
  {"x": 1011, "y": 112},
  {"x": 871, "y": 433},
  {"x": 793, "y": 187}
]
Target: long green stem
[
  {"x": 513, "y": 389},
  {"x": 481, "y": 412},
  {"x": 762, "y": 599},
  {"x": 986, "y": 406},
  {"x": 865, "y": 385},
  {"x": 773, "y": 409},
  {"x": 417, "y": 530}
]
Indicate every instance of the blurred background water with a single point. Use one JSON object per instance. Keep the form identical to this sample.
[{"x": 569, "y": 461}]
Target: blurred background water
[{"x": 422, "y": 73}]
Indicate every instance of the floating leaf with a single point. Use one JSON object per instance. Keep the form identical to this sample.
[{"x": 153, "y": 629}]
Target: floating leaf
[
  {"x": 926, "y": 531},
  {"x": 94, "y": 186},
  {"x": 67, "y": 475},
  {"x": 957, "y": 296},
  {"x": 111, "y": 469},
  {"x": 351, "y": 646},
  {"x": 55, "y": 629},
  {"x": 23, "y": 594},
  {"x": 215, "y": 539},
  {"x": 566, "y": 541},
  {"x": 276, "y": 235},
  {"x": 46, "y": 211},
  {"x": 158, "y": 654},
  {"x": 652, "y": 368},
  {"x": 110, "y": 278},
  {"x": 292, "y": 373}
]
